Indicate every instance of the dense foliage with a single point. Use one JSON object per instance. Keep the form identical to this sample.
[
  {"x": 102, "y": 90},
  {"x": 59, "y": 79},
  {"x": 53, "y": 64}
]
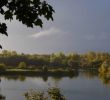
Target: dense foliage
[
  {"x": 52, "y": 94},
  {"x": 22, "y": 65},
  {"x": 90, "y": 60},
  {"x": 29, "y": 12}
]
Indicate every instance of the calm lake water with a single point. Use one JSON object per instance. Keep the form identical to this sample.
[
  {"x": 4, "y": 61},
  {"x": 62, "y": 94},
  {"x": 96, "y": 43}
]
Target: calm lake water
[{"x": 83, "y": 86}]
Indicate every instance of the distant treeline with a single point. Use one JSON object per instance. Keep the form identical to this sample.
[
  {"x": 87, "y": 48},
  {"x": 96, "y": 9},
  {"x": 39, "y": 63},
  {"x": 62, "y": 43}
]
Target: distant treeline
[{"x": 89, "y": 60}]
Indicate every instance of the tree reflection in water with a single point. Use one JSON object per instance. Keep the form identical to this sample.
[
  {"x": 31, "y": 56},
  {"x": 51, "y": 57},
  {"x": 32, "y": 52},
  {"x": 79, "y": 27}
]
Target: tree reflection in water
[
  {"x": 15, "y": 77},
  {"x": 89, "y": 74},
  {"x": 105, "y": 79}
]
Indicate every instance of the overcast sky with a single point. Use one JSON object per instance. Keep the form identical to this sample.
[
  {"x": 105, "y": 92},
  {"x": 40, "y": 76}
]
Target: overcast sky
[{"x": 78, "y": 26}]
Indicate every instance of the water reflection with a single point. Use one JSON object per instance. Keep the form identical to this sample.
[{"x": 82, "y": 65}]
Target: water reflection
[
  {"x": 44, "y": 77},
  {"x": 76, "y": 85},
  {"x": 15, "y": 77},
  {"x": 87, "y": 74},
  {"x": 73, "y": 74},
  {"x": 105, "y": 79}
]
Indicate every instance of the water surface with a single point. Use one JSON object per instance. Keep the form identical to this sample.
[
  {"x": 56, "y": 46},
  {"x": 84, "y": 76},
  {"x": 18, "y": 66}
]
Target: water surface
[{"x": 84, "y": 86}]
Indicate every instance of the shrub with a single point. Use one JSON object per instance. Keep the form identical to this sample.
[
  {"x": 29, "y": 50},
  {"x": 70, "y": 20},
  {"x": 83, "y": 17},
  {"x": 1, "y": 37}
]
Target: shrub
[
  {"x": 104, "y": 67},
  {"x": 22, "y": 65},
  {"x": 52, "y": 94},
  {"x": 2, "y": 67},
  {"x": 55, "y": 94},
  {"x": 34, "y": 95}
]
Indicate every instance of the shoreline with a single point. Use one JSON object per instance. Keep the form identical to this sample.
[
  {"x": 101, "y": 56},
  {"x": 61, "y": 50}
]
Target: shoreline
[{"x": 39, "y": 73}]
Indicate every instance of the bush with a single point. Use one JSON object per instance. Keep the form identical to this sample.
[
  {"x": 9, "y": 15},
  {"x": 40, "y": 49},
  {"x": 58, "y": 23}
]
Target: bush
[
  {"x": 55, "y": 94},
  {"x": 52, "y": 94},
  {"x": 22, "y": 65},
  {"x": 2, "y": 67},
  {"x": 104, "y": 69}
]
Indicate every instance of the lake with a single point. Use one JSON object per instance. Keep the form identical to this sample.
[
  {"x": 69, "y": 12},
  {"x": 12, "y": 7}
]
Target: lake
[{"x": 82, "y": 86}]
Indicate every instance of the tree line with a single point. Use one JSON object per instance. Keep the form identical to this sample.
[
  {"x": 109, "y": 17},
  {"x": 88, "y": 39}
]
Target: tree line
[{"x": 89, "y": 60}]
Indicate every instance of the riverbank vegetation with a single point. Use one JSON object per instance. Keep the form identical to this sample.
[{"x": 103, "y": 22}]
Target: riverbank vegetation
[{"x": 59, "y": 62}]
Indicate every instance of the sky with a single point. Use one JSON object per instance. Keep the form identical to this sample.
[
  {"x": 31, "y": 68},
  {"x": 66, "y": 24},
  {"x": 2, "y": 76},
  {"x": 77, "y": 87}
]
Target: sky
[{"x": 78, "y": 26}]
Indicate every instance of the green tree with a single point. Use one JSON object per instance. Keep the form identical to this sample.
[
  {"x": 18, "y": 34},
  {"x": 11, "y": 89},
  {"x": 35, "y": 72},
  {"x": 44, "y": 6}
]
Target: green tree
[
  {"x": 104, "y": 67},
  {"x": 73, "y": 60},
  {"x": 13, "y": 53},
  {"x": 29, "y": 12},
  {"x": 74, "y": 56},
  {"x": 6, "y": 53},
  {"x": 91, "y": 56},
  {"x": 58, "y": 59},
  {"x": 22, "y": 65}
]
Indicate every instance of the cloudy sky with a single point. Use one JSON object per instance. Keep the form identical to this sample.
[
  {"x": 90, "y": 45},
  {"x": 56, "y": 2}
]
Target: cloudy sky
[{"x": 78, "y": 26}]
